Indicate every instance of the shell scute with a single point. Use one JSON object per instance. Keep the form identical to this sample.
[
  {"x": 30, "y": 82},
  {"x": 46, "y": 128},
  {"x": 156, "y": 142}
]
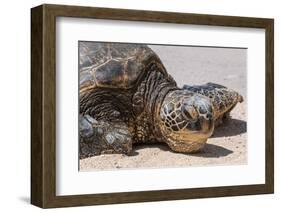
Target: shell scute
[
  {"x": 113, "y": 65},
  {"x": 110, "y": 73}
]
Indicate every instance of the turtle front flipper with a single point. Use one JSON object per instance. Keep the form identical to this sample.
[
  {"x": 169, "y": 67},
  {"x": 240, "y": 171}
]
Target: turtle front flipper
[
  {"x": 98, "y": 137},
  {"x": 223, "y": 98}
]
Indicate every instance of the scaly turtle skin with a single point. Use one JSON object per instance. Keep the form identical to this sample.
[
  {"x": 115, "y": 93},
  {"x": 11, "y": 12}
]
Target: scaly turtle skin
[
  {"x": 223, "y": 99},
  {"x": 127, "y": 96}
]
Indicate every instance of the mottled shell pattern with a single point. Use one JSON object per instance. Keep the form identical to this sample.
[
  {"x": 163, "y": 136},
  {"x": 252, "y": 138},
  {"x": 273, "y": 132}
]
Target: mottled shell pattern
[{"x": 111, "y": 65}]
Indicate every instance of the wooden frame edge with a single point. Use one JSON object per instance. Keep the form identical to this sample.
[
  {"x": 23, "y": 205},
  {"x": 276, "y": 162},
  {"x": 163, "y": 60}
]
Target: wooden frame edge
[
  {"x": 269, "y": 118},
  {"x": 36, "y": 106}
]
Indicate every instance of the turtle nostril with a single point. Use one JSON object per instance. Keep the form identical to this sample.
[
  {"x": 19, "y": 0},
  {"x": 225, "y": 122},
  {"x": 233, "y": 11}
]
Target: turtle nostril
[{"x": 209, "y": 116}]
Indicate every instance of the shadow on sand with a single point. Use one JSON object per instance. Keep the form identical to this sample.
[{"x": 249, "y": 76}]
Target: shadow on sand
[
  {"x": 209, "y": 151},
  {"x": 212, "y": 151},
  {"x": 230, "y": 127}
]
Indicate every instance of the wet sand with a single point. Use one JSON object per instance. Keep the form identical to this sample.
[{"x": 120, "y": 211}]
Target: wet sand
[{"x": 227, "y": 146}]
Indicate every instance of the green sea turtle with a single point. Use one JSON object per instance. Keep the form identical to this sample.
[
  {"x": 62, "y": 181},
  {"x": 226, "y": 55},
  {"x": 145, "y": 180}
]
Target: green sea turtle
[{"x": 127, "y": 96}]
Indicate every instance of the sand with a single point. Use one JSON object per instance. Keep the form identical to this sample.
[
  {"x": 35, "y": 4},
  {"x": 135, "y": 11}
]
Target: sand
[{"x": 227, "y": 146}]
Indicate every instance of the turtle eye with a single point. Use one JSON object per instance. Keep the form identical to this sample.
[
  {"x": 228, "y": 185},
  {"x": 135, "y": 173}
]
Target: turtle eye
[
  {"x": 202, "y": 110},
  {"x": 186, "y": 113},
  {"x": 189, "y": 112}
]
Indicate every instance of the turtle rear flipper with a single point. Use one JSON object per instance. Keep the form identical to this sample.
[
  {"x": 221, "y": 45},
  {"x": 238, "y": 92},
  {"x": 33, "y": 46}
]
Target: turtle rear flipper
[
  {"x": 98, "y": 137},
  {"x": 223, "y": 98}
]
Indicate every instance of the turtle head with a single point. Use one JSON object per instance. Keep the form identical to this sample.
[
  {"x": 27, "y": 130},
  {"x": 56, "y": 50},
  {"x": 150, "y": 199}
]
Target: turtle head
[{"x": 186, "y": 119}]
